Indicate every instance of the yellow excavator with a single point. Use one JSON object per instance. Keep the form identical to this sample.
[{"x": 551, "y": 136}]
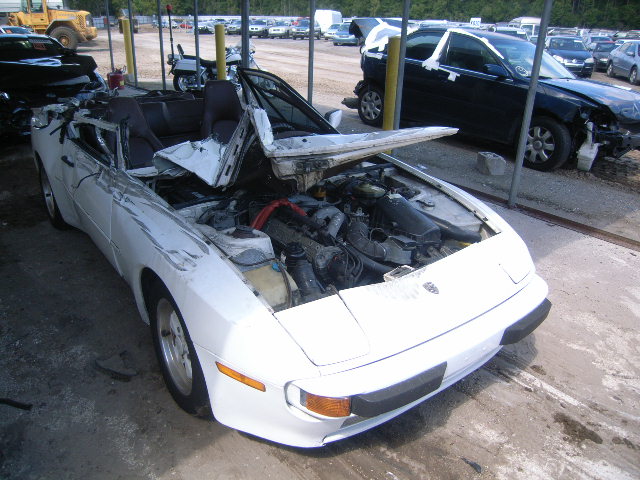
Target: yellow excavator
[{"x": 69, "y": 27}]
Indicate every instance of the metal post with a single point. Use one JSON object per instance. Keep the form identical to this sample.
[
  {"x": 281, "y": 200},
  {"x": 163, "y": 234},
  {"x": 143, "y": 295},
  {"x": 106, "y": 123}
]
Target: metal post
[
  {"x": 106, "y": 6},
  {"x": 221, "y": 52},
  {"x": 244, "y": 33},
  {"x": 197, "y": 38},
  {"x": 312, "y": 39},
  {"x": 406, "y": 5},
  {"x": 391, "y": 83},
  {"x": 164, "y": 78},
  {"x": 133, "y": 45},
  {"x": 528, "y": 109},
  {"x": 128, "y": 50}
]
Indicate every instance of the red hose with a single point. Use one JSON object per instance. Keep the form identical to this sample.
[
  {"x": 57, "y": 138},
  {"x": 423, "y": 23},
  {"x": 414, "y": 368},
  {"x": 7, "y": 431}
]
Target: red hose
[{"x": 266, "y": 212}]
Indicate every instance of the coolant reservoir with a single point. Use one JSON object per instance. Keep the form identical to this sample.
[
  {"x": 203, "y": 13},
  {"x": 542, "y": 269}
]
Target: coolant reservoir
[{"x": 270, "y": 282}]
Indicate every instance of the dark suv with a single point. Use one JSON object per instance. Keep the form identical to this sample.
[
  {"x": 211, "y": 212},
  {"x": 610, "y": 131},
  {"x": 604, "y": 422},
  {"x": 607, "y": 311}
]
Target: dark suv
[{"x": 477, "y": 81}]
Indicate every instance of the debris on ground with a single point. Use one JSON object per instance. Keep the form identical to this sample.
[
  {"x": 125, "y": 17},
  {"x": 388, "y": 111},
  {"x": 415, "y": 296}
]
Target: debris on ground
[
  {"x": 16, "y": 404},
  {"x": 115, "y": 366},
  {"x": 472, "y": 464}
]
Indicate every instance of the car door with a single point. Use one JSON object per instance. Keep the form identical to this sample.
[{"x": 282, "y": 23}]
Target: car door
[
  {"x": 478, "y": 103},
  {"x": 622, "y": 61},
  {"x": 421, "y": 100},
  {"x": 88, "y": 178}
]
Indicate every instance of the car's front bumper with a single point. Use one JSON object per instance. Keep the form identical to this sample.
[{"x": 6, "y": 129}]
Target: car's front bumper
[
  {"x": 351, "y": 40},
  {"x": 380, "y": 390},
  {"x": 601, "y": 63},
  {"x": 580, "y": 69}
]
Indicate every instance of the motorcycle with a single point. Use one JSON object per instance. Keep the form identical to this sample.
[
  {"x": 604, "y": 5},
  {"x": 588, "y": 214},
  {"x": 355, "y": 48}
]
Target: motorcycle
[{"x": 183, "y": 68}]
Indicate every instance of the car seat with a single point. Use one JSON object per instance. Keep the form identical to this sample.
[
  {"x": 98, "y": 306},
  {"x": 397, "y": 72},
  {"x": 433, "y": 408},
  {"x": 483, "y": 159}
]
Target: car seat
[
  {"x": 142, "y": 141},
  {"x": 222, "y": 110}
]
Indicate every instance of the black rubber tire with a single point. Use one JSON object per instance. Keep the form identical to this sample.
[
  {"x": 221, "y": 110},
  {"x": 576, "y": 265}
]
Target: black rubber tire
[
  {"x": 548, "y": 145},
  {"x": 371, "y": 105},
  {"x": 196, "y": 401},
  {"x": 66, "y": 36},
  {"x": 49, "y": 200},
  {"x": 610, "y": 72},
  {"x": 176, "y": 83},
  {"x": 633, "y": 76}
]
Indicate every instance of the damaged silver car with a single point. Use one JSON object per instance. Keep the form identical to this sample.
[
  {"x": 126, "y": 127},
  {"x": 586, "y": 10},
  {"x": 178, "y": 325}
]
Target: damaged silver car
[{"x": 299, "y": 284}]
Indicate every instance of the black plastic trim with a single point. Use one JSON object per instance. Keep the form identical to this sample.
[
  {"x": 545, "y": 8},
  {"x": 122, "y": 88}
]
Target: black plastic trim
[
  {"x": 527, "y": 324},
  {"x": 382, "y": 401}
]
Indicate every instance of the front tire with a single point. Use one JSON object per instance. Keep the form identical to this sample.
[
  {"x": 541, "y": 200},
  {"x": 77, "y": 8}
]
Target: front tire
[
  {"x": 371, "y": 106},
  {"x": 610, "y": 72},
  {"x": 50, "y": 204},
  {"x": 66, "y": 36},
  {"x": 548, "y": 144},
  {"x": 633, "y": 76},
  {"x": 176, "y": 355}
]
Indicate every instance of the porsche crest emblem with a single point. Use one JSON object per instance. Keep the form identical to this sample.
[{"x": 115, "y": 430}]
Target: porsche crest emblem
[{"x": 431, "y": 288}]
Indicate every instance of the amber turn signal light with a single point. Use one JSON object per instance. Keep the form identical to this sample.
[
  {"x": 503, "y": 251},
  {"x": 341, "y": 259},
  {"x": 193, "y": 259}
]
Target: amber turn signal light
[
  {"x": 327, "y": 406},
  {"x": 240, "y": 377}
]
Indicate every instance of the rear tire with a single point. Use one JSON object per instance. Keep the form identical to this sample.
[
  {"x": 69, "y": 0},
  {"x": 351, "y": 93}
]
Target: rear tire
[
  {"x": 371, "y": 106},
  {"x": 176, "y": 355},
  {"x": 66, "y": 36},
  {"x": 633, "y": 76},
  {"x": 548, "y": 144}
]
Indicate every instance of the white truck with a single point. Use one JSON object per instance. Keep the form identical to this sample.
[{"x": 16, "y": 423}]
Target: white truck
[
  {"x": 9, "y": 6},
  {"x": 326, "y": 18}
]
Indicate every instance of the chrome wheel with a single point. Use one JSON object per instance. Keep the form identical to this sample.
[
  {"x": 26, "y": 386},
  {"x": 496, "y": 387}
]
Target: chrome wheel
[
  {"x": 540, "y": 145},
  {"x": 633, "y": 77},
  {"x": 185, "y": 82},
  {"x": 371, "y": 105},
  {"x": 174, "y": 346},
  {"x": 47, "y": 194}
]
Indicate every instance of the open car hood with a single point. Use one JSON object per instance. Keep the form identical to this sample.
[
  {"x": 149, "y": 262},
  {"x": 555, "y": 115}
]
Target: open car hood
[
  {"x": 375, "y": 32},
  {"x": 35, "y": 72},
  {"x": 301, "y": 158}
]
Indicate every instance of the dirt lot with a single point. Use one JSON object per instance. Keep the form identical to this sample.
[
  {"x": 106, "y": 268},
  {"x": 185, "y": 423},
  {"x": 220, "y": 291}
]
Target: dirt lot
[{"x": 561, "y": 404}]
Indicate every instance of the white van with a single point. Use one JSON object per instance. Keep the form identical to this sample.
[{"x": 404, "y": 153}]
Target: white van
[{"x": 529, "y": 24}]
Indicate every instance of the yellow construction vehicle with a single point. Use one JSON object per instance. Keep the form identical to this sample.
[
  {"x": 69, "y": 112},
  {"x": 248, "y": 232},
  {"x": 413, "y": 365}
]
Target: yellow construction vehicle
[{"x": 69, "y": 27}]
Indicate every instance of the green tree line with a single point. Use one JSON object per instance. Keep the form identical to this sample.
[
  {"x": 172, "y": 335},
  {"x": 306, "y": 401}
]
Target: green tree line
[{"x": 615, "y": 14}]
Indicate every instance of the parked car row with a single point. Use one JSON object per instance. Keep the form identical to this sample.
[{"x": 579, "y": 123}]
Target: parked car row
[{"x": 595, "y": 52}]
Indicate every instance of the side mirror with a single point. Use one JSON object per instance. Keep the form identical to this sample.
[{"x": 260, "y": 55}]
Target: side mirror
[
  {"x": 495, "y": 70},
  {"x": 334, "y": 117}
]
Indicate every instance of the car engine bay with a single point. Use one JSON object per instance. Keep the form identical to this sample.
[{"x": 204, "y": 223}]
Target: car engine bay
[{"x": 365, "y": 225}]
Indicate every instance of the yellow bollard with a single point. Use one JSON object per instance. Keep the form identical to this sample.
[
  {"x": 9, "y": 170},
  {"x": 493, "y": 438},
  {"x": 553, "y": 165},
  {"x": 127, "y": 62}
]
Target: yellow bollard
[
  {"x": 128, "y": 50},
  {"x": 221, "y": 53},
  {"x": 391, "y": 83}
]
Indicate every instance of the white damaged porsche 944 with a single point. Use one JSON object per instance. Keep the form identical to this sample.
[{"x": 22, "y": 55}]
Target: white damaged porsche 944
[{"x": 300, "y": 285}]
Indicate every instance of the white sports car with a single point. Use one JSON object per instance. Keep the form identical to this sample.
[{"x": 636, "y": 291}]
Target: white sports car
[{"x": 300, "y": 285}]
